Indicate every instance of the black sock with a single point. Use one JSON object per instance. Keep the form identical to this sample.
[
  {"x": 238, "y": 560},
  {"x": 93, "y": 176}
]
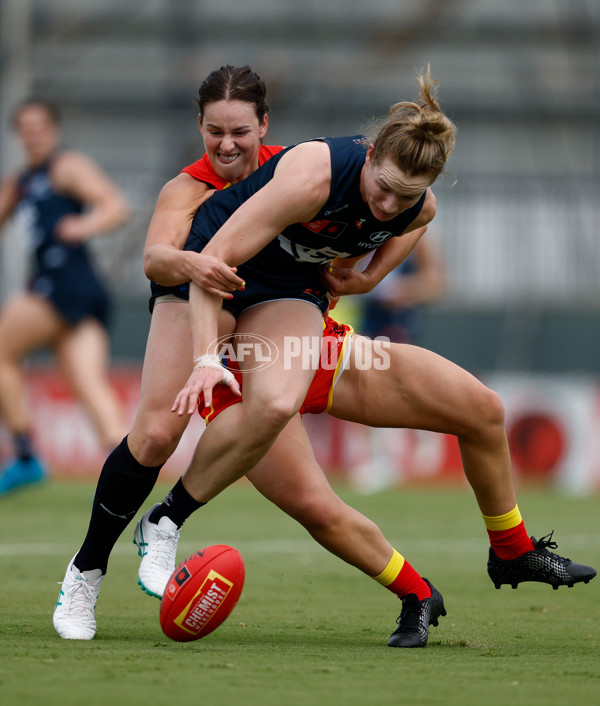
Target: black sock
[
  {"x": 177, "y": 506},
  {"x": 23, "y": 447},
  {"x": 123, "y": 486}
]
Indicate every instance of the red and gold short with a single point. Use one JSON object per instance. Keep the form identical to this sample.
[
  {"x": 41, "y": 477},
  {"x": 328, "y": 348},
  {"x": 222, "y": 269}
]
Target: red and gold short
[{"x": 335, "y": 351}]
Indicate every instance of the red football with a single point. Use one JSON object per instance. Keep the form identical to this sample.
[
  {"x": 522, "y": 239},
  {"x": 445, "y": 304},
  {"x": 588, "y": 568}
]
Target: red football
[{"x": 201, "y": 593}]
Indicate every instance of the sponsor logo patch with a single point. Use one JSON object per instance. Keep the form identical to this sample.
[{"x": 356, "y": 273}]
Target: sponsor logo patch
[
  {"x": 380, "y": 237},
  {"x": 205, "y": 603},
  {"x": 182, "y": 576},
  {"x": 329, "y": 229}
]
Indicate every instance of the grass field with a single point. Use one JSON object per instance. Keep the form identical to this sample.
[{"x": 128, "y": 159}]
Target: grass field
[{"x": 308, "y": 629}]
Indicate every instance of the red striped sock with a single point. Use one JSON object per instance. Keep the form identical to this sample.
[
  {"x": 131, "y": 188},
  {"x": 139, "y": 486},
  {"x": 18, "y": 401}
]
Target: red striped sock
[
  {"x": 400, "y": 578},
  {"x": 507, "y": 534}
]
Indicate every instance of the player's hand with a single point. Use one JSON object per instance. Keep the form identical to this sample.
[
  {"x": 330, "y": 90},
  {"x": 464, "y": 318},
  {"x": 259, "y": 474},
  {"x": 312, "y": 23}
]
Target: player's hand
[
  {"x": 214, "y": 276},
  {"x": 72, "y": 229},
  {"x": 344, "y": 280},
  {"x": 202, "y": 381}
]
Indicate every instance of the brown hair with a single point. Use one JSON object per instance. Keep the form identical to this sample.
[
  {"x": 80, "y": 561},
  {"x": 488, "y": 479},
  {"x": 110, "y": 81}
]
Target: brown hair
[
  {"x": 417, "y": 136},
  {"x": 234, "y": 83},
  {"x": 43, "y": 103}
]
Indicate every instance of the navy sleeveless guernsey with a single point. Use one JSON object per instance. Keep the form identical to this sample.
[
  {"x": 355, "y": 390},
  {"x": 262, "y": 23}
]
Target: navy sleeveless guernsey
[
  {"x": 63, "y": 273},
  {"x": 288, "y": 267}
]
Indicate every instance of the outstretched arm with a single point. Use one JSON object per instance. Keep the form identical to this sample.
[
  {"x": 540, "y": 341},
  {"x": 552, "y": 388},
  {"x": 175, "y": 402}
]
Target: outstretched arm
[{"x": 208, "y": 371}]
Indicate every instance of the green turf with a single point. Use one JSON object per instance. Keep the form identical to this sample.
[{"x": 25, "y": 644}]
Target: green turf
[{"x": 308, "y": 628}]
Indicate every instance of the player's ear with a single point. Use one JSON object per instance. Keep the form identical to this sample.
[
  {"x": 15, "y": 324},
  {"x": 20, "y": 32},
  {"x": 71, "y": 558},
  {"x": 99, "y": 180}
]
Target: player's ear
[{"x": 264, "y": 126}]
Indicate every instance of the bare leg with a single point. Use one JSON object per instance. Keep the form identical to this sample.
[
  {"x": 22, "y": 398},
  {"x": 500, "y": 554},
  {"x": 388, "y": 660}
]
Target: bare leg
[
  {"x": 83, "y": 355},
  {"x": 290, "y": 477},
  {"x": 239, "y": 437},
  {"x": 27, "y": 323},
  {"x": 422, "y": 390},
  {"x": 156, "y": 431},
  {"x": 130, "y": 471}
]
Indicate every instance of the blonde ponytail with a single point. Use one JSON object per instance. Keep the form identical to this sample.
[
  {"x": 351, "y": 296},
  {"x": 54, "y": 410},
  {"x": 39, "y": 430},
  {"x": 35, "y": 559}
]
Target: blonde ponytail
[{"x": 417, "y": 136}]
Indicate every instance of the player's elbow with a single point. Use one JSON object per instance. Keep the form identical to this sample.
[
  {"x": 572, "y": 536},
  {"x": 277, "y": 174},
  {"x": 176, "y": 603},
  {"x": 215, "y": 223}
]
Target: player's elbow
[
  {"x": 150, "y": 265},
  {"x": 429, "y": 209},
  {"x": 156, "y": 265}
]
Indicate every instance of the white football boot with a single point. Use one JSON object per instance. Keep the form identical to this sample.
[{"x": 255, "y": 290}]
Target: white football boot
[
  {"x": 157, "y": 545},
  {"x": 74, "y": 617}
]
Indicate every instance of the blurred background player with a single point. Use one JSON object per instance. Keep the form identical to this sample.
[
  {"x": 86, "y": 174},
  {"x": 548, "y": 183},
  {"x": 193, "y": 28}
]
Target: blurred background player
[
  {"x": 393, "y": 309},
  {"x": 65, "y": 199}
]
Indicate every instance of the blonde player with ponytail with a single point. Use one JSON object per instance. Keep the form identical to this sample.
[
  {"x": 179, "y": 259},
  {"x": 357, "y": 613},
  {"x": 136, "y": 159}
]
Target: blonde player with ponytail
[{"x": 290, "y": 229}]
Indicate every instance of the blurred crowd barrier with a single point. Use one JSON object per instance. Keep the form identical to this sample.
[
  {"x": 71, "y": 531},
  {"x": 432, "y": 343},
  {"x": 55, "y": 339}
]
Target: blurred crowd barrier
[
  {"x": 519, "y": 79},
  {"x": 552, "y": 423}
]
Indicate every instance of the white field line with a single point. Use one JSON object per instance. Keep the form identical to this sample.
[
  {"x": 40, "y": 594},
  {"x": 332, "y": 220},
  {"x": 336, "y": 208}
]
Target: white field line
[{"x": 294, "y": 546}]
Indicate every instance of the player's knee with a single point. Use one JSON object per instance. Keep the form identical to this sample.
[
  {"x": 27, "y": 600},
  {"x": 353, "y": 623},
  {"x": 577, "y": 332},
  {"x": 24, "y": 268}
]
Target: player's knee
[
  {"x": 488, "y": 411},
  {"x": 316, "y": 511},
  {"x": 316, "y": 515},
  {"x": 276, "y": 412},
  {"x": 155, "y": 444}
]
